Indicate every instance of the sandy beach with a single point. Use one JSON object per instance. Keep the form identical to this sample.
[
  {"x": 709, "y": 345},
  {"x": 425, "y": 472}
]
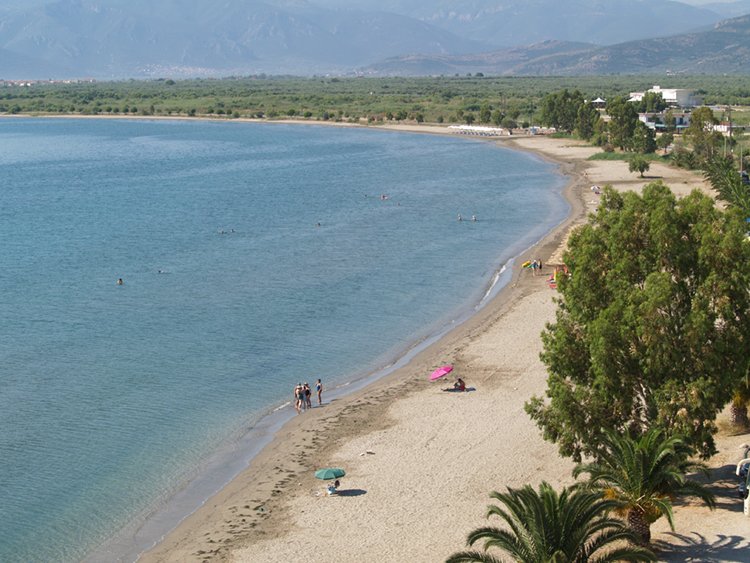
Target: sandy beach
[{"x": 420, "y": 463}]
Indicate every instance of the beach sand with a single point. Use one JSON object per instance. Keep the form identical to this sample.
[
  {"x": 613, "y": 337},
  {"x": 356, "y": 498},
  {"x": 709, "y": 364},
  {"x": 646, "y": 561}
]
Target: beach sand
[{"x": 420, "y": 462}]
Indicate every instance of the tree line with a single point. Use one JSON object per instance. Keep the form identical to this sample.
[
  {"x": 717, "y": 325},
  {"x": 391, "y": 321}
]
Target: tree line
[{"x": 439, "y": 99}]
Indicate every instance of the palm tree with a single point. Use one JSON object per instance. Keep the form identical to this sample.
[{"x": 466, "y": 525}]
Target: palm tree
[
  {"x": 644, "y": 476},
  {"x": 547, "y": 527},
  {"x": 724, "y": 178}
]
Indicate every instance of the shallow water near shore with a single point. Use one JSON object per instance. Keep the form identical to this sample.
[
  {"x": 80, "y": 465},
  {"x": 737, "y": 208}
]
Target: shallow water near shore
[{"x": 253, "y": 256}]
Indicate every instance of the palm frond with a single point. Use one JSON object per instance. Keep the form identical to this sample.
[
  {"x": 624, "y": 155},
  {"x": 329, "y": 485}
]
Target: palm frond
[{"x": 472, "y": 556}]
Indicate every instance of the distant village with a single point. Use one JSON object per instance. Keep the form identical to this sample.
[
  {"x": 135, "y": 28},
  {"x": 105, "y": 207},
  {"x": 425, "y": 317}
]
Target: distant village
[{"x": 28, "y": 83}]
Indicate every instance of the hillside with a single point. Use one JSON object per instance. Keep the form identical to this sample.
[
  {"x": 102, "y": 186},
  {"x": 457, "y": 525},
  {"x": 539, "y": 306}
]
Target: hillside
[
  {"x": 723, "y": 49},
  {"x": 507, "y": 23}
]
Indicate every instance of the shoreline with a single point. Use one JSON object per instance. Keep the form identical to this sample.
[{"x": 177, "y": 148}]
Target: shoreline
[
  {"x": 121, "y": 546},
  {"x": 420, "y": 463},
  {"x": 253, "y": 514},
  {"x": 280, "y": 451}
]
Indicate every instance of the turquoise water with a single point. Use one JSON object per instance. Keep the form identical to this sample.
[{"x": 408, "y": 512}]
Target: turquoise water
[{"x": 112, "y": 397}]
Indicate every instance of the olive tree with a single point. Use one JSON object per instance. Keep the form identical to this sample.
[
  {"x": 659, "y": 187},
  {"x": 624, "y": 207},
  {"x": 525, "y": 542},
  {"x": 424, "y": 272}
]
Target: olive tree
[
  {"x": 653, "y": 322},
  {"x": 638, "y": 163}
]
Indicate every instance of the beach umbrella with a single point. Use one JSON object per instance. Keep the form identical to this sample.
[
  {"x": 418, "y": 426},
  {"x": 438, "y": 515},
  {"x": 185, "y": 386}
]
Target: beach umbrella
[
  {"x": 330, "y": 473},
  {"x": 440, "y": 372}
]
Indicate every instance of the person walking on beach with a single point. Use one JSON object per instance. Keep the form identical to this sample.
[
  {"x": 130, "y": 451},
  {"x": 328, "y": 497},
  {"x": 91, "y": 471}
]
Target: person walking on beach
[{"x": 319, "y": 391}]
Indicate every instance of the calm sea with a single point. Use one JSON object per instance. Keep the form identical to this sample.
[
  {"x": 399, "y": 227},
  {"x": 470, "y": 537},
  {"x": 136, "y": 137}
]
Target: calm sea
[{"x": 252, "y": 257}]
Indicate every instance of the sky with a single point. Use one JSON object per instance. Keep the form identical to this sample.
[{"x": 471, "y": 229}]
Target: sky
[
  {"x": 15, "y": 3},
  {"x": 28, "y": 3}
]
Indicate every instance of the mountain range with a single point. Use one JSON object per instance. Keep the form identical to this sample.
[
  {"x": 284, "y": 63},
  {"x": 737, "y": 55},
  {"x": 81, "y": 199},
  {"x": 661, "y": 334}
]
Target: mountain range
[
  {"x": 180, "y": 38},
  {"x": 724, "y": 49}
]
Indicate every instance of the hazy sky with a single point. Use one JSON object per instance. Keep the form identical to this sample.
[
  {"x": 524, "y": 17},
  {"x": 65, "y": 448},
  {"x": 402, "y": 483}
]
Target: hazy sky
[
  {"x": 6, "y": 3},
  {"x": 26, "y": 3}
]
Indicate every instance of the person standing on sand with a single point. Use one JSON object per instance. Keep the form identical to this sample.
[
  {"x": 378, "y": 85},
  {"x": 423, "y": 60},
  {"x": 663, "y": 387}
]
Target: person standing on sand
[
  {"x": 319, "y": 391},
  {"x": 308, "y": 395},
  {"x": 295, "y": 393},
  {"x": 299, "y": 398}
]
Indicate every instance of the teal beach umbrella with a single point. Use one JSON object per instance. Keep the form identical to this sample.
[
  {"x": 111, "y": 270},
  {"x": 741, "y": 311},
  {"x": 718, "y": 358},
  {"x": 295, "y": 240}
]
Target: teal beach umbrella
[{"x": 330, "y": 473}]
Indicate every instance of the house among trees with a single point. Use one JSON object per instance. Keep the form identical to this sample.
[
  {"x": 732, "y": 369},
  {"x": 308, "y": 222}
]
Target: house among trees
[
  {"x": 661, "y": 121},
  {"x": 727, "y": 128},
  {"x": 679, "y": 97}
]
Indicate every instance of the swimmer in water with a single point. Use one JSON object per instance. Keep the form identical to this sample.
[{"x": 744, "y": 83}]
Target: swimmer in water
[
  {"x": 119, "y": 281},
  {"x": 460, "y": 218},
  {"x": 474, "y": 218}
]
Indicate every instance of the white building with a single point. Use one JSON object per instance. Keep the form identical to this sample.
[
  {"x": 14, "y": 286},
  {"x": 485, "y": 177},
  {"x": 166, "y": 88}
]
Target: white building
[
  {"x": 656, "y": 120},
  {"x": 480, "y": 130},
  {"x": 673, "y": 96}
]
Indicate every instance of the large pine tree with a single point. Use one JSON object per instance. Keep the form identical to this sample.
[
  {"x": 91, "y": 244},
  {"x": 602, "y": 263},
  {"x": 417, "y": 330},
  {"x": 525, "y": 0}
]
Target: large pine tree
[{"x": 653, "y": 322}]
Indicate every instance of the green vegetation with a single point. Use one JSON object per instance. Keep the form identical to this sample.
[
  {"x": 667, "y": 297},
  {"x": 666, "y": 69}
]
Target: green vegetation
[
  {"x": 627, "y": 156},
  {"x": 653, "y": 322},
  {"x": 560, "y": 110},
  {"x": 623, "y": 120},
  {"x": 637, "y": 163},
  {"x": 705, "y": 142},
  {"x": 644, "y": 476},
  {"x": 545, "y": 526},
  {"x": 722, "y": 173},
  {"x": 434, "y": 99}
]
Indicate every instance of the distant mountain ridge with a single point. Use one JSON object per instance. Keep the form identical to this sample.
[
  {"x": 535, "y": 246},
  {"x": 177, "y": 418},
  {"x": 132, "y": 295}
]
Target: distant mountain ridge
[
  {"x": 117, "y": 39},
  {"x": 508, "y": 23},
  {"x": 729, "y": 9},
  {"x": 723, "y": 49},
  {"x": 181, "y": 38}
]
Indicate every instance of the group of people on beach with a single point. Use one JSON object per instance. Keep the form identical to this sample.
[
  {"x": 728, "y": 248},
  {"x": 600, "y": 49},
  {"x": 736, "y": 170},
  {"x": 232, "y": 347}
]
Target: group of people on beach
[
  {"x": 536, "y": 266},
  {"x": 303, "y": 395}
]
